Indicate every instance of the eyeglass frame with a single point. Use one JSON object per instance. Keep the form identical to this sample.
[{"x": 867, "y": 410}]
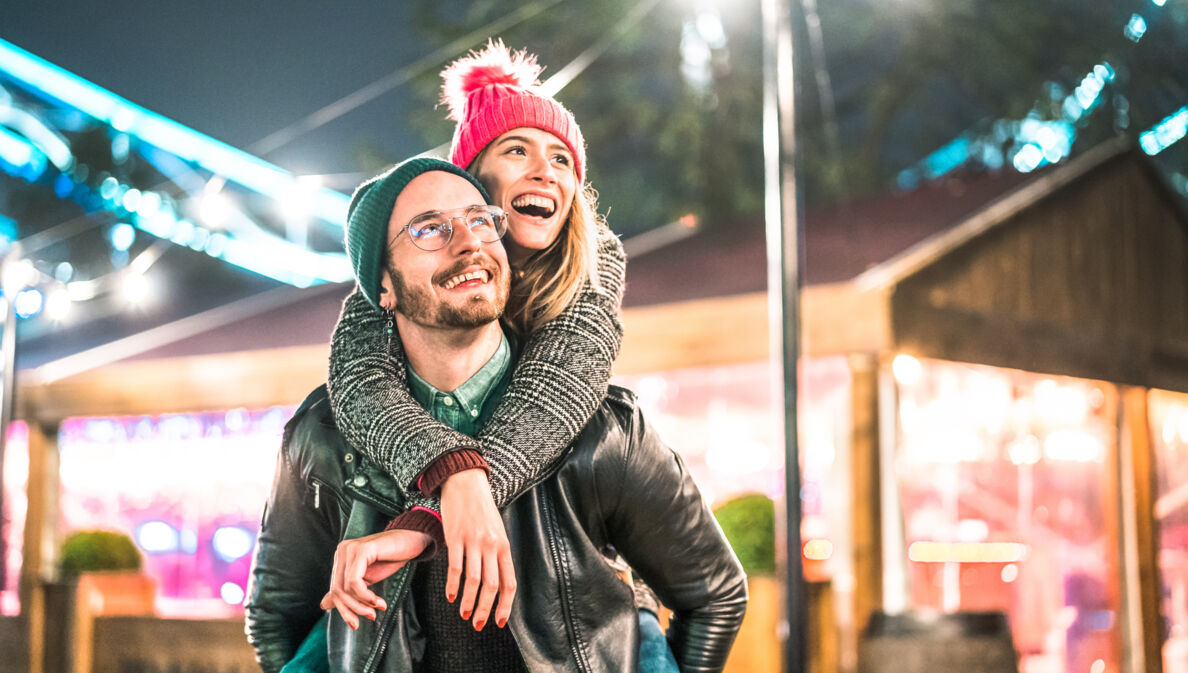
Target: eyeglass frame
[{"x": 498, "y": 214}]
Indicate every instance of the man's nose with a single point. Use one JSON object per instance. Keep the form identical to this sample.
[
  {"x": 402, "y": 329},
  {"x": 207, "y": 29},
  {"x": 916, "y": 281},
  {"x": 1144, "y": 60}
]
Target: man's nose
[{"x": 464, "y": 240}]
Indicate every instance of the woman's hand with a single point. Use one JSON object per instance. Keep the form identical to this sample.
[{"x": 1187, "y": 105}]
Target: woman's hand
[
  {"x": 477, "y": 542},
  {"x": 364, "y": 561}
]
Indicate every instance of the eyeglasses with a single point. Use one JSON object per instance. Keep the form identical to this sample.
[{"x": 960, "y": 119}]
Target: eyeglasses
[{"x": 433, "y": 231}]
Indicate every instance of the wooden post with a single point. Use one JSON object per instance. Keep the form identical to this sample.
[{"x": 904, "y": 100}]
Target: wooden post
[
  {"x": 1142, "y": 552},
  {"x": 39, "y": 540},
  {"x": 866, "y": 510}
]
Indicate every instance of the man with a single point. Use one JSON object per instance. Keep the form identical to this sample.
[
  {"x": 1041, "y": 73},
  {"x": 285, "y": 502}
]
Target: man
[{"x": 618, "y": 487}]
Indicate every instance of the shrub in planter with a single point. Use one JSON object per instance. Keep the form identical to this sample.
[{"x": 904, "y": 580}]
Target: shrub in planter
[
  {"x": 98, "y": 550},
  {"x": 749, "y": 524}
]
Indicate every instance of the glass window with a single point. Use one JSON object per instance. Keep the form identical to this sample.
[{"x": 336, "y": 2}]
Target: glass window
[
  {"x": 720, "y": 420},
  {"x": 1169, "y": 439},
  {"x": 188, "y": 488},
  {"x": 1002, "y": 477}
]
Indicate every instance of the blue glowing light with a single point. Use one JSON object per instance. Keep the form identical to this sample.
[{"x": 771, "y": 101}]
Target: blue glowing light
[
  {"x": 28, "y": 303},
  {"x": 109, "y": 188},
  {"x": 131, "y": 200},
  {"x": 1171, "y": 130},
  {"x": 19, "y": 157},
  {"x": 157, "y": 537},
  {"x": 63, "y": 186},
  {"x": 122, "y": 236},
  {"x": 1028, "y": 158},
  {"x": 1135, "y": 28},
  {"x": 212, "y": 155},
  {"x": 232, "y": 542},
  {"x": 1159, "y": 3}
]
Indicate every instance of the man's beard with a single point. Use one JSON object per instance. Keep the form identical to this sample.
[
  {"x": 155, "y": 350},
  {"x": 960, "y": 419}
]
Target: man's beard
[{"x": 424, "y": 308}]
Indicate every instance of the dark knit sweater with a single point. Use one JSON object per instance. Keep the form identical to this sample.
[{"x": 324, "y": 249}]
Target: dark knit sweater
[
  {"x": 562, "y": 375},
  {"x": 451, "y": 643}
]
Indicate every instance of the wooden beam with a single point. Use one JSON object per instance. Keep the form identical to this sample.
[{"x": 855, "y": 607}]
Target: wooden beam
[
  {"x": 251, "y": 379},
  {"x": 699, "y": 333},
  {"x": 865, "y": 492},
  {"x": 1136, "y": 425},
  {"x": 39, "y": 540}
]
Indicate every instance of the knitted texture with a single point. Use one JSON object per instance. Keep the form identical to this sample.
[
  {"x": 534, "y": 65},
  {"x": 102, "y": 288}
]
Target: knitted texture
[
  {"x": 451, "y": 643},
  {"x": 493, "y": 91},
  {"x": 371, "y": 209},
  {"x": 559, "y": 381}
]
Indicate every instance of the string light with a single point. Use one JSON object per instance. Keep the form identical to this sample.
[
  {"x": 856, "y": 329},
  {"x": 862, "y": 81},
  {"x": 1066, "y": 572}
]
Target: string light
[
  {"x": 58, "y": 304},
  {"x": 136, "y": 289}
]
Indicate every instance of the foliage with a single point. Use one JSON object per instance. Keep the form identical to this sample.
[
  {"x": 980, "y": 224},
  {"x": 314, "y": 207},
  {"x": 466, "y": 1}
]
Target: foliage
[
  {"x": 93, "y": 550},
  {"x": 749, "y": 524}
]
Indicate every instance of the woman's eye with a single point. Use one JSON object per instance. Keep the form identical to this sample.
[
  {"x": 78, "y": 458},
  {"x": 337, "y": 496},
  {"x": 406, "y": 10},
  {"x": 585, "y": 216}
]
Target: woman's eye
[
  {"x": 562, "y": 159},
  {"x": 515, "y": 149}
]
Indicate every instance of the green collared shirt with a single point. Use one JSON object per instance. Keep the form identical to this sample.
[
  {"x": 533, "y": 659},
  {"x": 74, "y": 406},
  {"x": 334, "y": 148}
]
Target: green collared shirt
[{"x": 469, "y": 406}]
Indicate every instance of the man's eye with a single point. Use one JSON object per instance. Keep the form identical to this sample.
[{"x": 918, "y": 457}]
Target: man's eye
[{"x": 429, "y": 230}]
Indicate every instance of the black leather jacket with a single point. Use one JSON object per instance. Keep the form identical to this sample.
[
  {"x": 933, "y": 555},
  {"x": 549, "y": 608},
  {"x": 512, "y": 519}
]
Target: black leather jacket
[{"x": 619, "y": 486}]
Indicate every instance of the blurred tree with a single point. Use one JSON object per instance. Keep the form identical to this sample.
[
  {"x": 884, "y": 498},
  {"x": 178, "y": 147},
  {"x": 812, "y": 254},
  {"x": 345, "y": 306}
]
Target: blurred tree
[{"x": 909, "y": 77}]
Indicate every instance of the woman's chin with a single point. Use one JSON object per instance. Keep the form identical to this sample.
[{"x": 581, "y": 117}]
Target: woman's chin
[{"x": 520, "y": 248}]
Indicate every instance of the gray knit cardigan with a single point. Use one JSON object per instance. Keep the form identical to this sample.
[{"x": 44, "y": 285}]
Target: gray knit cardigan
[{"x": 558, "y": 383}]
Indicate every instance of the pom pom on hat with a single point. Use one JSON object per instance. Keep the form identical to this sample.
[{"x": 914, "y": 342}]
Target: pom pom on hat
[
  {"x": 496, "y": 64},
  {"x": 493, "y": 91}
]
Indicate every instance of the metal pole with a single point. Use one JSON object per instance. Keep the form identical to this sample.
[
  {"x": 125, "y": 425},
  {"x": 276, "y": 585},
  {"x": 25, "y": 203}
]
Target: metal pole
[
  {"x": 783, "y": 291},
  {"x": 7, "y": 386}
]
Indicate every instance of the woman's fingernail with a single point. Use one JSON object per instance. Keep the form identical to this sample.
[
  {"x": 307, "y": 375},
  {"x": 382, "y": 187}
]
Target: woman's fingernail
[
  {"x": 478, "y": 626},
  {"x": 502, "y": 622}
]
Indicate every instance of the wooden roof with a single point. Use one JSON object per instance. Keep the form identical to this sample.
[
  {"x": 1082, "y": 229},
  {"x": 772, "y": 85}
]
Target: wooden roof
[{"x": 1081, "y": 270}]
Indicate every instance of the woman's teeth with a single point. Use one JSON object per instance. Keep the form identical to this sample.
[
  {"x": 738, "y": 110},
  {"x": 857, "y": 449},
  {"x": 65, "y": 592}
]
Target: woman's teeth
[{"x": 531, "y": 204}]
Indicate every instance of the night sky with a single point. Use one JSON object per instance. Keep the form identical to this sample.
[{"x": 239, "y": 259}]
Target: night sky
[{"x": 238, "y": 71}]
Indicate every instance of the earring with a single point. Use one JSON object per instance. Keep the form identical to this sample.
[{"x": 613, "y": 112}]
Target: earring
[{"x": 390, "y": 323}]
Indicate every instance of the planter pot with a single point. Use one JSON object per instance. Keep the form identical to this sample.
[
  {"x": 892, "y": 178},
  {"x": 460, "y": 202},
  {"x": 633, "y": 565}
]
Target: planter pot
[
  {"x": 105, "y": 594},
  {"x": 757, "y": 648}
]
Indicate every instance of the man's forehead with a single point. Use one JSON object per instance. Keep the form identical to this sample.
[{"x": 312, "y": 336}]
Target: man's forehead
[{"x": 434, "y": 191}]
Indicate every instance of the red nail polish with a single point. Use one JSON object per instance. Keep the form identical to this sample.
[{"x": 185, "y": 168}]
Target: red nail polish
[
  {"x": 479, "y": 626},
  {"x": 502, "y": 623},
  {"x": 466, "y": 615}
]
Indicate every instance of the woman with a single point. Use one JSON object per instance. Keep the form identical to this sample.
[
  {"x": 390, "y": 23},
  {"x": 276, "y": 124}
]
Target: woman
[{"x": 568, "y": 270}]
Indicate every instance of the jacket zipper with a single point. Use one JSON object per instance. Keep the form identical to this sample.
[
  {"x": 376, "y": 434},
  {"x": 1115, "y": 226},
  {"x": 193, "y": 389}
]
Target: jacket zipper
[
  {"x": 395, "y": 602},
  {"x": 318, "y": 486},
  {"x": 563, "y": 583}
]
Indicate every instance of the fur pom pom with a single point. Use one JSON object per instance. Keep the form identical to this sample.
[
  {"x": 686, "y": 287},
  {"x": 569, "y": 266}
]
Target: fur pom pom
[{"x": 494, "y": 64}]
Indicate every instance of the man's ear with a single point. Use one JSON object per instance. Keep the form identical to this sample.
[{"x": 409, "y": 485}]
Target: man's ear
[{"x": 387, "y": 292}]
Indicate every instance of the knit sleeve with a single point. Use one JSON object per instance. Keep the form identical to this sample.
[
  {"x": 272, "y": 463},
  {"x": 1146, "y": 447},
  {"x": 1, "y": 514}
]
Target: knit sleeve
[
  {"x": 372, "y": 404},
  {"x": 560, "y": 380}
]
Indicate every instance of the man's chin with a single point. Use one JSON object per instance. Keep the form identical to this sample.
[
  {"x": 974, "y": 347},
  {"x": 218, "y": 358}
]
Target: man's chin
[{"x": 473, "y": 314}]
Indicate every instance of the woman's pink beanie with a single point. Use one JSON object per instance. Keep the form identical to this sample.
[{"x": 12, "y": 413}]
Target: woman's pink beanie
[{"x": 492, "y": 91}]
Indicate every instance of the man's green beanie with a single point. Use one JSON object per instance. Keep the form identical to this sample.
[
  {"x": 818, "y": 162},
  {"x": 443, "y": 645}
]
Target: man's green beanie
[{"x": 369, "y": 212}]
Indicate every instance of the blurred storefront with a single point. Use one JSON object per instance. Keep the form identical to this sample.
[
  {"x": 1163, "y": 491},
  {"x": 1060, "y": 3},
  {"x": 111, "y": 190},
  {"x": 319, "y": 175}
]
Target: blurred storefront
[{"x": 995, "y": 418}]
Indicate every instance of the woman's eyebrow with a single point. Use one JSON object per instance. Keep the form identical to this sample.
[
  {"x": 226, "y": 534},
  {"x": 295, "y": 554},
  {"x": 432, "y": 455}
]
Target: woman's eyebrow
[{"x": 509, "y": 139}]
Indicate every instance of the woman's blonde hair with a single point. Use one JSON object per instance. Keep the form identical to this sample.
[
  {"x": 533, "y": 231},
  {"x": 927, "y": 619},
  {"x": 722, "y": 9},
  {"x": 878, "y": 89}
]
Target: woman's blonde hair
[{"x": 548, "y": 281}]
